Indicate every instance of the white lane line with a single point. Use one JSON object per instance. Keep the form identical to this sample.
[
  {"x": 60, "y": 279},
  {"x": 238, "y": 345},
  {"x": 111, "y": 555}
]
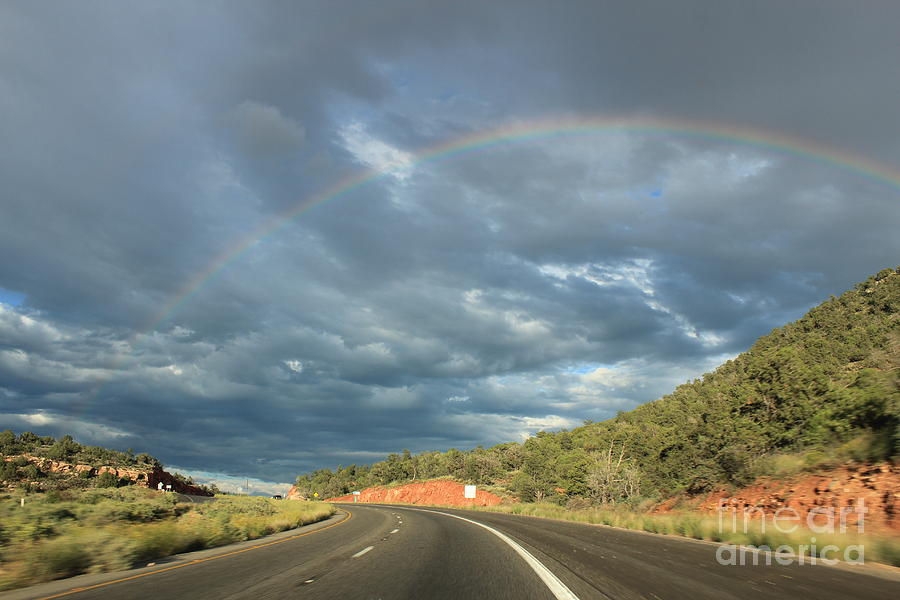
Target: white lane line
[
  {"x": 395, "y": 531},
  {"x": 557, "y": 587},
  {"x": 363, "y": 551}
]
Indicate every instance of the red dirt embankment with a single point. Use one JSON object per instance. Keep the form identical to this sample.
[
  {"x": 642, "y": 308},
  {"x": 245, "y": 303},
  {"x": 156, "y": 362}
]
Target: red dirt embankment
[
  {"x": 441, "y": 491},
  {"x": 876, "y": 487}
]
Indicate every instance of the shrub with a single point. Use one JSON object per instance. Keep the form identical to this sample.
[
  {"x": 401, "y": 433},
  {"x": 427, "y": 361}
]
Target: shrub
[
  {"x": 8, "y": 471},
  {"x": 578, "y": 504},
  {"x": 888, "y": 551},
  {"x": 62, "y": 557},
  {"x": 107, "y": 480}
]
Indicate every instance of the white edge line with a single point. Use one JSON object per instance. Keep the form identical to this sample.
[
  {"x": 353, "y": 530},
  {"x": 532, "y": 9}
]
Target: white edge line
[
  {"x": 363, "y": 551},
  {"x": 557, "y": 587}
]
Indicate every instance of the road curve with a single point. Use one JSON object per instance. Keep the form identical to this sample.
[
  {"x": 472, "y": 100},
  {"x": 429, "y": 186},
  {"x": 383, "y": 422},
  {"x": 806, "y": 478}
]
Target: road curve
[
  {"x": 604, "y": 562},
  {"x": 392, "y": 552}
]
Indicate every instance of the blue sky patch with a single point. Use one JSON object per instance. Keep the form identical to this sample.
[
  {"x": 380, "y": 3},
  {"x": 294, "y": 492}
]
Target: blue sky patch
[
  {"x": 586, "y": 368},
  {"x": 10, "y": 297}
]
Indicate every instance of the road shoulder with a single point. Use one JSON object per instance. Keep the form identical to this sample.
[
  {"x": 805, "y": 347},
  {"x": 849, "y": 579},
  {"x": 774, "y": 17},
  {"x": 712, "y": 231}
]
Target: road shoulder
[{"x": 60, "y": 587}]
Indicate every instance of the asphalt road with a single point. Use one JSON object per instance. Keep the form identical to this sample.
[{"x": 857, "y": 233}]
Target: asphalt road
[{"x": 387, "y": 552}]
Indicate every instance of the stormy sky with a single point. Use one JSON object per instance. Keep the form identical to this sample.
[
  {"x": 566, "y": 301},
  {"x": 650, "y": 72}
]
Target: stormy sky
[{"x": 169, "y": 283}]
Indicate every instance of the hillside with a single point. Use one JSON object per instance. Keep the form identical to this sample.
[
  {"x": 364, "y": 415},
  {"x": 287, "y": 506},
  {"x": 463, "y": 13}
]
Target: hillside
[
  {"x": 818, "y": 392},
  {"x": 32, "y": 463}
]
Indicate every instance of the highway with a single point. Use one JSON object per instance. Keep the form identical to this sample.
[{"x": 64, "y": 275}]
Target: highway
[{"x": 391, "y": 552}]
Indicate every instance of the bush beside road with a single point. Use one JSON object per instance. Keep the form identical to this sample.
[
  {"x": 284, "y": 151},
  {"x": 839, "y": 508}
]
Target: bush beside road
[{"x": 67, "y": 533}]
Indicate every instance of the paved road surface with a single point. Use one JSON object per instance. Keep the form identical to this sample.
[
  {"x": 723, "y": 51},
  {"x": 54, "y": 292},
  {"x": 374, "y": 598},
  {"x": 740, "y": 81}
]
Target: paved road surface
[{"x": 385, "y": 552}]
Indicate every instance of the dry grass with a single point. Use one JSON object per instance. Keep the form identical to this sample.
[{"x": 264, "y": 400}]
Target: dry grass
[{"x": 103, "y": 531}]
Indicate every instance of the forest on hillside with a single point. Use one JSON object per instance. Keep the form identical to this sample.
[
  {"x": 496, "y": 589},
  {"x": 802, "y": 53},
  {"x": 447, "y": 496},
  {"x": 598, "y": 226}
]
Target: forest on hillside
[{"x": 825, "y": 388}]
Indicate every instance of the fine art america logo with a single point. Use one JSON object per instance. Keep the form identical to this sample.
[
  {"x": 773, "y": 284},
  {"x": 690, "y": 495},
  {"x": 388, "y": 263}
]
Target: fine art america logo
[{"x": 777, "y": 524}]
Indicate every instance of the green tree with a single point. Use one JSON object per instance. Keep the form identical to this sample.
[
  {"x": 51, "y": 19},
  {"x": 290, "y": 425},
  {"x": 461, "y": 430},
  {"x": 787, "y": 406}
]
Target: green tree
[
  {"x": 64, "y": 449},
  {"x": 8, "y": 444}
]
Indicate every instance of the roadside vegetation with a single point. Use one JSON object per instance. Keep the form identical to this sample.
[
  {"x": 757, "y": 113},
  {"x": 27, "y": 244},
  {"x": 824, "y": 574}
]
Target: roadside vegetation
[
  {"x": 821, "y": 391},
  {"x": 63, "y": 533}
]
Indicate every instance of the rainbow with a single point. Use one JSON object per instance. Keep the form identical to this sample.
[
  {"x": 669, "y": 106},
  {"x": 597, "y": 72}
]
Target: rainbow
[
  {"x": 509, "y": 134},
  {"x": 535, "y": 130}
]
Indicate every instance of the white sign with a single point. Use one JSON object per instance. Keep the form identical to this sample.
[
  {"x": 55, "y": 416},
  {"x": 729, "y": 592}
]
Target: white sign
[
  {"x": 470, "y": 491},
  {"x": 356, "y": 493}
]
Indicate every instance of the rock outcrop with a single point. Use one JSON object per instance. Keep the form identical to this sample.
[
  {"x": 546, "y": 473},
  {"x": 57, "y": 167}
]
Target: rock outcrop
[
  {"x": 294, "y": 494},
  {"x": 442, "y": 492},
  {"x": 147, "y": 476}
]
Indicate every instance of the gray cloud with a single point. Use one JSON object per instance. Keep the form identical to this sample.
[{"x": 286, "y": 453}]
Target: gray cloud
[
  {"x": 468, "y": 299},
  {"x": 261, "y": 128}
]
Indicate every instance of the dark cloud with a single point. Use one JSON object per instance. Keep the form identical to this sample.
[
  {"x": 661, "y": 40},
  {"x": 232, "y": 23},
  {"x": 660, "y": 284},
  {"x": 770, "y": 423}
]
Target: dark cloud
[
  {"x": 261, "y": 128},
  {"x": 467, "y": 299}
]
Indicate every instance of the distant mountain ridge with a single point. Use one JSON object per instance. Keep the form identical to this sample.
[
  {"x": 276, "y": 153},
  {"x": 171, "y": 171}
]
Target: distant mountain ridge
[{"x": 825, "y": 388}]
